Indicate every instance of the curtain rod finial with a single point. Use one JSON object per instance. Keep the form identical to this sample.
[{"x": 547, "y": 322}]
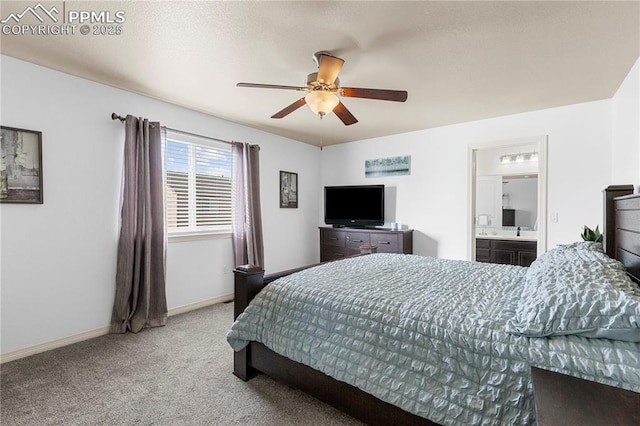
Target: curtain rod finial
[{"x": 115, "y": 116}]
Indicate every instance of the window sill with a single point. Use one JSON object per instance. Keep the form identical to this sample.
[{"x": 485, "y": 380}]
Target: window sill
[{"x": 199, "y": 236}]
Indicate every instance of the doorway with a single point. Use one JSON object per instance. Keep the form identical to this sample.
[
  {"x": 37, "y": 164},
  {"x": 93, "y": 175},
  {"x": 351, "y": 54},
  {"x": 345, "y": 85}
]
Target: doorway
[{"x": 493, "y": 166}]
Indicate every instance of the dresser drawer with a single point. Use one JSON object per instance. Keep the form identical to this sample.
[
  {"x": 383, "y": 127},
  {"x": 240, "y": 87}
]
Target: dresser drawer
[
  {"x": 356, "y": 239},
  {"x": 385, "y": 243},
  {"x": 333, "y": 238},
  {"x": 333, "y": 253}
]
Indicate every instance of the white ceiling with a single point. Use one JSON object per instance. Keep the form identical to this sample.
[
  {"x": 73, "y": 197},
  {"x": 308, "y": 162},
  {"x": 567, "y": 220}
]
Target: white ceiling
[{"x": 459, "y": 61}]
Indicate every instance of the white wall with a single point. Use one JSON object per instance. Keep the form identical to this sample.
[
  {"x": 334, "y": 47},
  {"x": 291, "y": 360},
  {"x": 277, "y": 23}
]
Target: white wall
[
  {"x": 626, "y": 130},
  {"x": 58, "y": 259},
  {"x": 433, "y": 200}
]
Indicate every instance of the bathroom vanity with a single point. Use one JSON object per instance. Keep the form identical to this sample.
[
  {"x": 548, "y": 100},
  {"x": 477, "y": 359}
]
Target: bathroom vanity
[{"x": 506, "y": 249}]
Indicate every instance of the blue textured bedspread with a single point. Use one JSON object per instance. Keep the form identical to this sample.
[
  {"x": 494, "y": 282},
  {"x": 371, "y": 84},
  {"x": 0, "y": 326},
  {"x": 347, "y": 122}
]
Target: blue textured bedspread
[{"x": 425, "y": 334}]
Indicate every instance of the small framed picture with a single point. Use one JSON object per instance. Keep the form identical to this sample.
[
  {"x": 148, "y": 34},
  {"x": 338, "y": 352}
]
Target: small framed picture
[
  {"x": 20, "y": 166},
  {"x": 288, "y": 190}
]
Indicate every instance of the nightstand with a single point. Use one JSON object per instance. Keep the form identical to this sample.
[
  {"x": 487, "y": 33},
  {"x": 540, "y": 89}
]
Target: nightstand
[{"x": 567, "y": 400}]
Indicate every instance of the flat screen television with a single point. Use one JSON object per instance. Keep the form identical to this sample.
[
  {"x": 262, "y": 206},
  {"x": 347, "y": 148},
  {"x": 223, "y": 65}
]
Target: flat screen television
[{"x": 354, "y": 206}]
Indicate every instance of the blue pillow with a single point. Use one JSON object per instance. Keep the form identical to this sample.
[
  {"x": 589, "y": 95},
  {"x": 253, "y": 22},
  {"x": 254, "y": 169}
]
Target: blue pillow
[{"x": 578, "y": 289}]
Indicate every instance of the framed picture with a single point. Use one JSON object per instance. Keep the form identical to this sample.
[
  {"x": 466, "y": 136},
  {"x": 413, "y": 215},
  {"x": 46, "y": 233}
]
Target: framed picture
[
  {"x": 288, "y": 190},
  {"x": 391, "y": 166},
  {"x": 20, "y": 166}
]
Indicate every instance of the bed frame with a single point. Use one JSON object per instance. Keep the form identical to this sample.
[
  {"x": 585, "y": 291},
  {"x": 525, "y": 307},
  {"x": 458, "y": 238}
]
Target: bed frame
[{"x": 622, "y": 219}]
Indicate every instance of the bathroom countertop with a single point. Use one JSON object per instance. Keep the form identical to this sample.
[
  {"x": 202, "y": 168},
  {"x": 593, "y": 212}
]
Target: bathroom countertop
[{"x": 508, "y": 237}]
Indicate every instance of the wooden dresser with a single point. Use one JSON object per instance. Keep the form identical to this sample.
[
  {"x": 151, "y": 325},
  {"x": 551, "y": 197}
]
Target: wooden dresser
[{"x": 336, "y": 243}]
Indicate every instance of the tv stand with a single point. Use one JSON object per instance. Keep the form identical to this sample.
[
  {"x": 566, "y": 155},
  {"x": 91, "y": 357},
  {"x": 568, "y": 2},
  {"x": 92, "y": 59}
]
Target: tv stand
[{"x": 336, "y": 243}]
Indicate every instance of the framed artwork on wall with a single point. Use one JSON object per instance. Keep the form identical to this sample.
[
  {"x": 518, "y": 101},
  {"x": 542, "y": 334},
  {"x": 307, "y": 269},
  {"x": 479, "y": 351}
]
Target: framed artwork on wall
[
  {"x": 20, "y": 166},
  {"x": 391, "y": 166},
  {"x": 288, "y": 190}
]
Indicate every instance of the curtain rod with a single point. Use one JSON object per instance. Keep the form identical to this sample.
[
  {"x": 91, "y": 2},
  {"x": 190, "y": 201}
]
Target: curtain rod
[{"x": 115, "y": 116}]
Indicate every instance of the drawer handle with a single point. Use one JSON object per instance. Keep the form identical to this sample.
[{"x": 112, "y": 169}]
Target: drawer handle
[
  {"x": 339, "y": 255},
  {"x": 384, "y": 242},
  {"x": 334, "y": 238},
  {"x": 356, "y": 241}
]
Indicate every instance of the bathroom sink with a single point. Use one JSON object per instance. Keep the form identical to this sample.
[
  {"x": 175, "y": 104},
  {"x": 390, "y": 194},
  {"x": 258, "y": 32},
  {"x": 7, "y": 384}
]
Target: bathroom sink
[{"x": 510, "y": 235}]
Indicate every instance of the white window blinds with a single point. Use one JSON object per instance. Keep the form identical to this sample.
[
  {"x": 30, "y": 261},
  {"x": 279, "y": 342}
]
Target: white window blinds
[{"x": 197, "y": 184}]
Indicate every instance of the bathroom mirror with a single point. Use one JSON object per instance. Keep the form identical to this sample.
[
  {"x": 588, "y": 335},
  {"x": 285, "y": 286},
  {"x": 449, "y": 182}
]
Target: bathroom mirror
[
  {"x": 520, "y": 201},
  {"x": 507, "y": 202}
]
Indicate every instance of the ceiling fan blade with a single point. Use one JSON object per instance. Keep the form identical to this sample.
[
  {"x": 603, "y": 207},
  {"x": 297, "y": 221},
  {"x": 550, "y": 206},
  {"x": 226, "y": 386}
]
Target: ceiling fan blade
[
  {"x": 329, "y": 68},
  {"x": 289, "y": 109},
  {"x": 381, "y": 94},
  {"x": 270, "y": 86},
  {"x": 344, "y": 114}
]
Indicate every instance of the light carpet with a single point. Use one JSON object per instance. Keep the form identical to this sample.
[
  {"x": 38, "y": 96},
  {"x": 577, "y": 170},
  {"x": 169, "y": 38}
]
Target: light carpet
[{"x": 179, "y": 374}]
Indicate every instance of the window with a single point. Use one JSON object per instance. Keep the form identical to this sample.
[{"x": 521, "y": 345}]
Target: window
[{"x": 197, "y": 184}]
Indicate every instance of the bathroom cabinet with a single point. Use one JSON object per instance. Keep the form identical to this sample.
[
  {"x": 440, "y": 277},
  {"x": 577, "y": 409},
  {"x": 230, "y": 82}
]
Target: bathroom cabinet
[{"x": 509, "y": 252}]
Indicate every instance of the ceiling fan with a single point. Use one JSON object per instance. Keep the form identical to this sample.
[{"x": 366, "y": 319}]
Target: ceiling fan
[{"x": 322, "y": 88}]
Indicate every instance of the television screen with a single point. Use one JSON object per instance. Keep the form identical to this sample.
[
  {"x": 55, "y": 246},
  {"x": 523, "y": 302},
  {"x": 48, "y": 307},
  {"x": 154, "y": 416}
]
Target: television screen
[{"x": 356, "y": 206}]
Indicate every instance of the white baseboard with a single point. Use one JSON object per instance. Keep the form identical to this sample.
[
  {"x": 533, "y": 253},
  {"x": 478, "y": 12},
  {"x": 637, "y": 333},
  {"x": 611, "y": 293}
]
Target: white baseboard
[
  {"x": 91, "y": 334},
  {"x": 201, "y": 304},
  {"x": 53, "y": 344}
]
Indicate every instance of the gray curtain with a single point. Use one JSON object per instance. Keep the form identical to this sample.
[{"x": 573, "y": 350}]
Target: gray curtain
[
  {"x": 140, "y": 300},
  {"x": 248, "y": 246}
]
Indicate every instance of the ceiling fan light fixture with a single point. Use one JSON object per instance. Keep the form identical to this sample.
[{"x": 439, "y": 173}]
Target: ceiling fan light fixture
[
  {"x": 321, "y": 102},
  {"x": 322, "y": 88}
]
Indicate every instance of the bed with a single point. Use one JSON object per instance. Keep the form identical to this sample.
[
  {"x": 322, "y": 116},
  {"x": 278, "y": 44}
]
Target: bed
[{"x": 403, "y": 339}]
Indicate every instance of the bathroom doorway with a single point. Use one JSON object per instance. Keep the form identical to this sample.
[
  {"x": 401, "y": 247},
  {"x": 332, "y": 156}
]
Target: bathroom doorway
[{"x": 508, "y": 193}]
